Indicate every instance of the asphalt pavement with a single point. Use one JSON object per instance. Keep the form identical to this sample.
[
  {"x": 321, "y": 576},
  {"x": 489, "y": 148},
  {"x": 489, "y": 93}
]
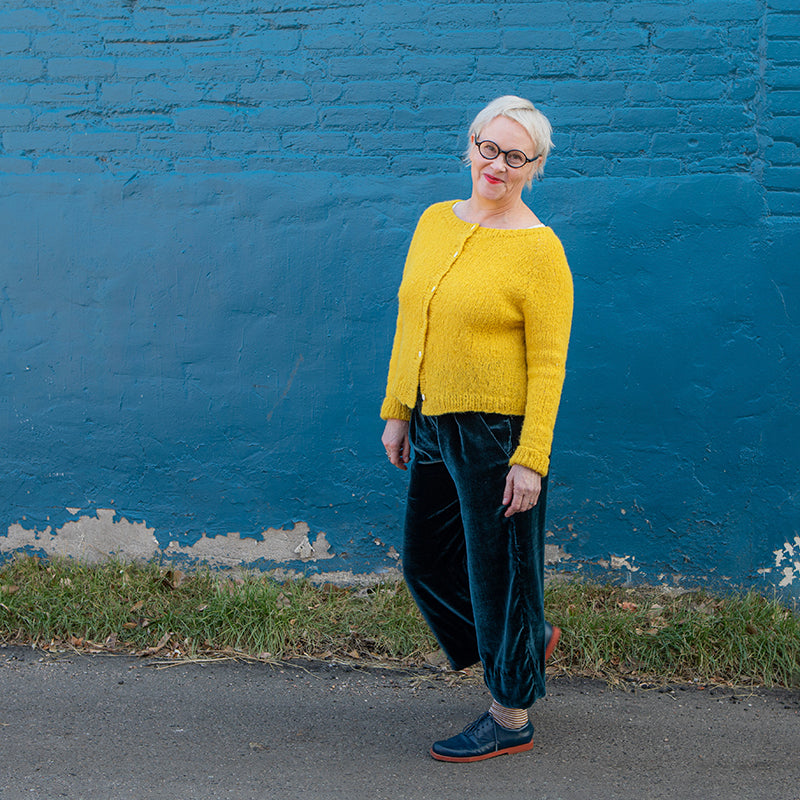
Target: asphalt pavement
[{"x": 106, "y": 727}]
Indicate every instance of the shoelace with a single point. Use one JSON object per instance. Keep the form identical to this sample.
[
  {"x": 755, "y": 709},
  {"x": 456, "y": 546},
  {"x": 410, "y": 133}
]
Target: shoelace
[{"x": 476, "y": 723}]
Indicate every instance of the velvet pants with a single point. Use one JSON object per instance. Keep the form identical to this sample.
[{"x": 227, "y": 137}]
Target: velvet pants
[{"x": 477, "y": 576}]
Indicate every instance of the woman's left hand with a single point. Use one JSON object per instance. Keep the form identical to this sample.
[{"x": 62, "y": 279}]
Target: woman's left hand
[
  {"x": 523, "y": 486},
  {"x": 396, "y": 442}
]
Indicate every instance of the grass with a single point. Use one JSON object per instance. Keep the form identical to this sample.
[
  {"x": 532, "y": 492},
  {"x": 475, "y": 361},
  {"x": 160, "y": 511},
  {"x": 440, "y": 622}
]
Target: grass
[
  {"x": 646, "y": 635},
  {"x": 651, "y": 634}
]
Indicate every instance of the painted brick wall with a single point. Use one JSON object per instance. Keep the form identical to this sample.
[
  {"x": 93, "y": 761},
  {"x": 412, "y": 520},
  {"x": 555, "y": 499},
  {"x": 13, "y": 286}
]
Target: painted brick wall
[{"x": 204, "y": 211}]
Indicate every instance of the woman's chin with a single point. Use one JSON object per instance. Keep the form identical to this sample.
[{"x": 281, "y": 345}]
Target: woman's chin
[{"x": 491, "y": 191}]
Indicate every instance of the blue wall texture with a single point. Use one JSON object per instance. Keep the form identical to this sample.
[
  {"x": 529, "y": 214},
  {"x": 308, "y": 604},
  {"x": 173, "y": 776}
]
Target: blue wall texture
[{"x": 204, "y": 211}]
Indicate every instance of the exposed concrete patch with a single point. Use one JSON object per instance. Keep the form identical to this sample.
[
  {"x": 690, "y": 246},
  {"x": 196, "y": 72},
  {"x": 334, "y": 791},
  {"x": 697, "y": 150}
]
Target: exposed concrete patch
[
  {"x": 619, "y": 562},
  {"x": 623, "y": 562},
  {"x": 93, "y": 539},
  {"x": 90, "y": 539},
  {"x": 554, "y": 554},
  {"x": 234, "y": 550},
  {"x": 787, "y": 563}
]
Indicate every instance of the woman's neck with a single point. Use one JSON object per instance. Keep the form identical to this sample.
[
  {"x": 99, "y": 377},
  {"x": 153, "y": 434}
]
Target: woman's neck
[{"x": 496, "y": 215}]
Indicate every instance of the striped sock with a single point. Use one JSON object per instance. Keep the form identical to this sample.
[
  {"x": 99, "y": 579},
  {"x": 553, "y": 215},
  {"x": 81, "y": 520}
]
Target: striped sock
[{"x": 511, "y": 718}]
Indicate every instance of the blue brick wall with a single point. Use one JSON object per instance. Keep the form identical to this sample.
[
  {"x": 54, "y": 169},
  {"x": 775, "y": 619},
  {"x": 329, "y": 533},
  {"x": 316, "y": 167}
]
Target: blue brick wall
[{"x": 204, "y": 212}]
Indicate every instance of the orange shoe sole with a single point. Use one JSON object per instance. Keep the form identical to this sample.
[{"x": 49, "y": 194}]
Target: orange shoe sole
[{"x": 520, "y": 748}]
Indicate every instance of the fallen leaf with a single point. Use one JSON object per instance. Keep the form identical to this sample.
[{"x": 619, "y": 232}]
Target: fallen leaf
[
  {"x": 176, "y": 577},
  {"x": 150, "y": 651}
]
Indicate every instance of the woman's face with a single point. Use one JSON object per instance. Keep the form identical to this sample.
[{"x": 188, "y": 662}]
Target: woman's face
[{"x": 494, "y": 179}]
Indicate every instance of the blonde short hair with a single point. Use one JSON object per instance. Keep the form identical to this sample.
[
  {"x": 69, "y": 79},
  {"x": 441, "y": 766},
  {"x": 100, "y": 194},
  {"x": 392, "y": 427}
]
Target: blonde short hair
[{"x": 526, "y": 114}]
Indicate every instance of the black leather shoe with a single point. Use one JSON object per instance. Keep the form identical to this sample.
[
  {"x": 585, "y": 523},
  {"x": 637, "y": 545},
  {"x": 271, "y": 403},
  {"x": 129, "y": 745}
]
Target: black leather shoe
[
  {"x": 482, "y": 739},
  {"x": 551, "y": 636}
]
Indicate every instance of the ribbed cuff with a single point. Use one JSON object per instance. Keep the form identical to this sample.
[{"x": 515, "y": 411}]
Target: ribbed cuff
[
  {"x": 394, "y": 409},
  {"x": 532, "y": 459}
]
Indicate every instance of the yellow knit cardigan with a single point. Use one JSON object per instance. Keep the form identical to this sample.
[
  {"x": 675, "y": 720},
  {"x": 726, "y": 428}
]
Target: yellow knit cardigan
[{"x": 483, "y": 325}]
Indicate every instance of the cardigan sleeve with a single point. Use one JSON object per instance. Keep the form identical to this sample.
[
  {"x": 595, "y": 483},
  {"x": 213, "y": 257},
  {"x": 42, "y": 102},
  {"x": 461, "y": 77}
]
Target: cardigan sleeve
[
  {"x": 547, "y": 309},
  {"x": 392, "y": 408}
]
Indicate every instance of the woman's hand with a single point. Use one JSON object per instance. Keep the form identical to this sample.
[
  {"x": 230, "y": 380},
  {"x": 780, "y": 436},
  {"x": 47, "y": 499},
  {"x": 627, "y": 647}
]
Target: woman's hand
[
  {"x": 522, "y": 489},
  {"x": 395, "y": 442}
]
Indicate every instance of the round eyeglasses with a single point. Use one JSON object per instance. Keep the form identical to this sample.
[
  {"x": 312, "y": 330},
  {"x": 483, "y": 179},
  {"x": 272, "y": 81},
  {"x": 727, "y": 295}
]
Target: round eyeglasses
[{"x": 514, "y": 158}]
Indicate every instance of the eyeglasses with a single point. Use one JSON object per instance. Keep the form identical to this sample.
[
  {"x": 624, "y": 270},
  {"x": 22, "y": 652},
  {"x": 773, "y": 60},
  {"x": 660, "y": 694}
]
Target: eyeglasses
[{"x": 514, "y": 158}]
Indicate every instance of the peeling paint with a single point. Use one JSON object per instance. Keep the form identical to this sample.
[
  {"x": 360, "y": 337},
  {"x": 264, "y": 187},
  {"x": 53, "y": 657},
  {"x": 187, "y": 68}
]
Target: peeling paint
[
  {"x": 787, "y": 562},
  {"x": 553, "y": 554},
  {"x": 624, "y": 562},
  {"x": 275, "y": 544},
  {"x": 96, "y": 538},
  {"x": 89, "y": 539},
  {"x": 619, "y": 562}
]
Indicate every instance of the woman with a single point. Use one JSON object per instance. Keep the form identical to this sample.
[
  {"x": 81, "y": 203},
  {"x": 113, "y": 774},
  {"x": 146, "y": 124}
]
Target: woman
[{"x": 475, "y": 377}]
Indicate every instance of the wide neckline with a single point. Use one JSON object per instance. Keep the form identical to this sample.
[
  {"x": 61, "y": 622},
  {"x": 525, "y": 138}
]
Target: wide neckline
[{"x": 477, "y": 225}]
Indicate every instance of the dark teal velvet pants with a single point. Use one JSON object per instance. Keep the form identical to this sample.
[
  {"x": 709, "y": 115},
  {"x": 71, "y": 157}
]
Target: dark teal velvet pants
[{"x": 477, "y": 577}]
